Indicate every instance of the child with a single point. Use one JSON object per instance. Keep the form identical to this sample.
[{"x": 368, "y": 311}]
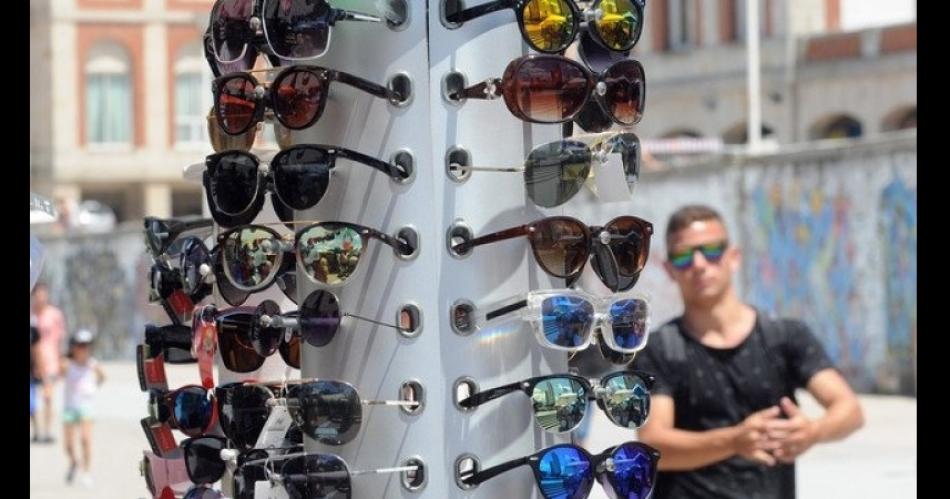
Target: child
[{"x": 83, "y": 377}]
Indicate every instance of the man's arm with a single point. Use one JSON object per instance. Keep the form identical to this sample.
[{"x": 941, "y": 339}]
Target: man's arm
[
  {"x": 843, "y": 416},
  {"x": 684, "y": 450}
]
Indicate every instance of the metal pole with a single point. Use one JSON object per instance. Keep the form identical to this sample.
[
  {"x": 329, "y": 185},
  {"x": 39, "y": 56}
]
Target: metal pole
[{"x": 753, "y": 74}]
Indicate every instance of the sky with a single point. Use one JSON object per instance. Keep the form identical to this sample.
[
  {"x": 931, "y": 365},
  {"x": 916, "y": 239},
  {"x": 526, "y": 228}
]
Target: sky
[{"x": 857, "y": 14}]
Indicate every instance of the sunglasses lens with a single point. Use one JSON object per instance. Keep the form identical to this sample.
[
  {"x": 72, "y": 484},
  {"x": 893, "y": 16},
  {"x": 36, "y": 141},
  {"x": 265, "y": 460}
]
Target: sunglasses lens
[
  {"x": 682, "y": 260},
  {"x": 567, "y": 320},
  {"x": 555, "y": 172},
  {"x": 330, "y": 252},
  {"x": 203, "y": 460},
  {"x": 631, "y": 249},
  {"x": 230, "y": 29},
  {"x": 629, "y": 323},
  {"x": 251, "y": 257},
  {"x": 301, "y": 176},
  {"x": 330, "y": 411},
  {"x": 297, "y": 29},
  {"x": 546, "y": 90},
  {"x": 559, "y": 404},
  {"x": 713, "y": 252},
  {"x": 326, "y": 477},
  {"x": 625, "y": 91},
  {"x": 236, "y": 104},
  {"x": 560, "y": 245},
  {"x": 628, "y": 146},
  {"x": 194, "y": 255},
  {"x": 287, "y": 282},
  {"x": 248, "y": 475},
  {"x": 265, "y": 339},
  {"x": 193, "y": 410},
  {"x": 237, "y": 350},
  {"x": 633, "y": 473},
  {"x": 565, "y": 473},
  {"x": 320, "y": 317},
  {"x": 627, "y": 400},
  {"x": 243, "y": 412},
  {"x": 548, "y": 24},
  {"x": 299, "y": 97},
  {"x": 234, "y": 182},
  {"x": 620, "y": 25}
]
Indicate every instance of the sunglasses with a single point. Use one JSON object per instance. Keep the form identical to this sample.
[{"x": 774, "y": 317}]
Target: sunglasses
[
  {"x": 551, "y": 26},
  {"x": 330, "y": 252},
  {"x": 553, "y": 89},
  {"x": 160, "y": 234},
  {"x": 243, "y": 341},
  {"x": 164, "y": 473},
  {"x": 618, "y": 251},
  {"x": 165, "y": 287},
  {"x": 566, "y": 319},
  {"x": 712, "y": 253},
  {"x": 554, "y": 172},
  {"x": 288, "y": 30},
  {"x": 243, "y": 410},
  {"x": 329, "y": 411},
  {"x": 568, "y": 471},
  {"x": 172, "y": 342},
  {"x": 307, "y": 475},
  {"x": 188, "y": 409},
  {"x": 199, "y": 267},
  {"x": 298, "y": 176},
  {"x": 298, "y": 96},
  {"x": 221, "y": 141},
  {"x": 560, "y": 401}
]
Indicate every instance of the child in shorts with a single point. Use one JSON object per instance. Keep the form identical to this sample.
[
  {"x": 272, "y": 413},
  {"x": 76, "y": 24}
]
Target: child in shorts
[{"x": 83, "y": 376}]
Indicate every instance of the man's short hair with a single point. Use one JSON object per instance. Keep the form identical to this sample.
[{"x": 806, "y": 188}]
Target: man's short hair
[{"x": 686, "y": 215}]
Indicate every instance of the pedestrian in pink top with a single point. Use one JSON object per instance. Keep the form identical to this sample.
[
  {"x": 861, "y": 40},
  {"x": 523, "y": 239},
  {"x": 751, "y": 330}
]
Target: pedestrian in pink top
[{"x": 52, "y": 327}]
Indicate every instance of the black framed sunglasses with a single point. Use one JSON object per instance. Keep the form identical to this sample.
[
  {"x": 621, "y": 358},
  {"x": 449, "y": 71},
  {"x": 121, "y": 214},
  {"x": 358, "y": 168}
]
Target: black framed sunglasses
[
  {"x": 161, "y": 234},
  {"x": 329, "y": 252},
  {"x": 618, "y": 250},
  {"x": 284, "y": 30},
  {"x": 551, "y": 26},
  {"x": 541, "y": 88},
  {"x": 172, "y": 342},
  {"x": 297, "y": 95},
  {"x": 568, "y": 471},
  {"x": 560, "y": 401},
  {"x": 188, "y": 409},
  {"x": 298, "y": 177},
  {"x": 712, "y": 253},
  {"x": 243, "y": 341},
  {"x": 556, "y": 171}
]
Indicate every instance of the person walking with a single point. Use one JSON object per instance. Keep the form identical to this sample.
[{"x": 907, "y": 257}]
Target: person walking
[
  {"x": 51, "y": 325},
  {"x": 83, "y": 376}
]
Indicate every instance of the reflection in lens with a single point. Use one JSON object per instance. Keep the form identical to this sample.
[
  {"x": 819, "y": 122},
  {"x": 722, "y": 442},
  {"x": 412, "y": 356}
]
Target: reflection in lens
[
  {"x": 237, "y": 350},
  {"x": 629, "y": 244},
  {"x": 329, "y": 411},
  {"x": 251, "y": 257},
  {"x": 633, "y": 473},
  {"x": 247, "y": 475},
  {"x": 626, "y": 89},
  {"x": 330, "y": 252},
  {"x": 297, "y": 29},
  {"x": 548, "y": 24},
  {"x": 567, "y": 320},
  {"x": 629, "y": 323},
  {"x": 565, "y": 473},
  {"x": 554, "y": 172},
  {"x": 298, "y": 98},
  {"x": 301, "y": 176},
  {"x": 560, "y": 245},
  {"x": 236, "y": 104},
  {"x": 546, "y": 89},
  {"x": 234, "y": 182},
  {"x": 626, "y": 400},
  {"x": 230, "y": 29},
  {"x": 320, "y": 317},
  {"x": 192, "y": 410},
  {"x": 203, "y": 459},
  {"x": 620, "y": 25},
  {"x": 559, "y": 404},
  {"x": 318, "y": 476}
]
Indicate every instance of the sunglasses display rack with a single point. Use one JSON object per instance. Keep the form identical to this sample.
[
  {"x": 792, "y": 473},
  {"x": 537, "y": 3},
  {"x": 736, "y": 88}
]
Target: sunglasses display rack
[{"x": 431, "y": 360}]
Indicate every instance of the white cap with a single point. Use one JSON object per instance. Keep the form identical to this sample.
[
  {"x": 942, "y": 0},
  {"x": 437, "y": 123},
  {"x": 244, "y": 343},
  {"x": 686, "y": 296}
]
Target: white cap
[{"x": 83, "y": 336}]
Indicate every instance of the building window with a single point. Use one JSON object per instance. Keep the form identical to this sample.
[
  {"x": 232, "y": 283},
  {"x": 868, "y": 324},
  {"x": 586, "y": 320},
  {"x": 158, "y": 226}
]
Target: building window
[
  {"x": 837, "y": 127},
  {"x": 681, "y": 21},
  {"x": 192, "y": 98},
  {"x": 108, "y": 96},
  {"x": 900, "y": 119}
]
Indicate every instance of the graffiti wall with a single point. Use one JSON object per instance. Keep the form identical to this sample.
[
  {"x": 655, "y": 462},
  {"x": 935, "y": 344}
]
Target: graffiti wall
[{"x": 828, "y": 237}]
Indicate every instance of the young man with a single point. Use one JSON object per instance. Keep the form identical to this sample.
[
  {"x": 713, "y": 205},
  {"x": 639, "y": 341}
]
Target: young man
[{"x": 723, "y": 413}]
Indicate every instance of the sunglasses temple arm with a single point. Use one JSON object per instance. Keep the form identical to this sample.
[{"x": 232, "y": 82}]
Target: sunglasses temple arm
[
  {"x": 506, "y": 169},
  {"x": 479, "y": 398},
  {"x": 479, "y": 11},
  {"x": 488, "y": 89},
  {"x": 381, "y": 471},
  {"x": 393, "y": 170},
  {"x": 349, "y": 15},
  {"x": 491, "y": 238},
  {"x": 488, "y": 474},
  {"x": 392, "y": 403},
  {"x": 399, "y": 245},
  {"x": 364, "y": 85},
  {"x": 374, "y": 321}
]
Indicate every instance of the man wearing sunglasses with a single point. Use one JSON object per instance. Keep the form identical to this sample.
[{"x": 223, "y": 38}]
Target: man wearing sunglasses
[{"x": 723, "y": 413}]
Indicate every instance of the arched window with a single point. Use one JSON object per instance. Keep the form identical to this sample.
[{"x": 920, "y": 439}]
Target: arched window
[
  {"x": 900, "y": 119},
  {"x": 839, "y": 126},
  {"x": 192, "y": 97},
  {"x": 738, "y": 134},
  {"x": 108, "y": 95}
]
